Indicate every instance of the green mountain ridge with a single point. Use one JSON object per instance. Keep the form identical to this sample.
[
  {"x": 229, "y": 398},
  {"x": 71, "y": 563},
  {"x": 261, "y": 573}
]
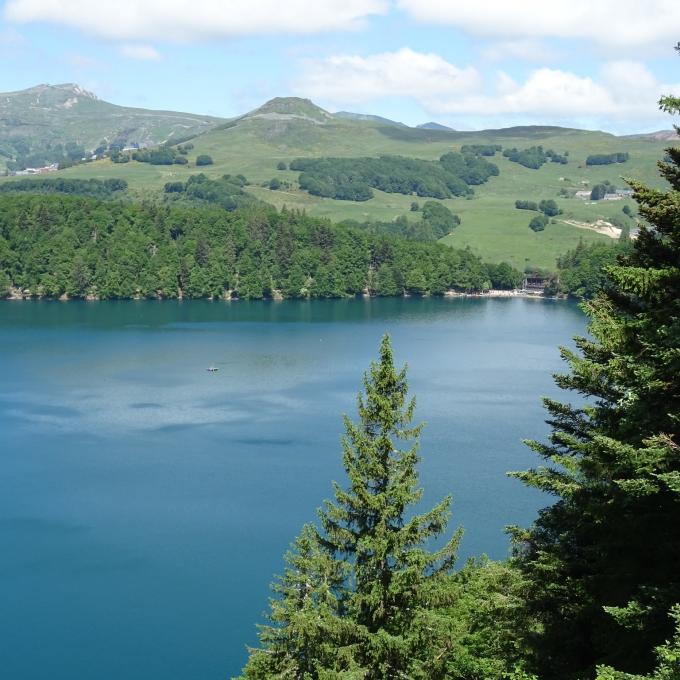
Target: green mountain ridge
[{"x": 34, "y": 122}]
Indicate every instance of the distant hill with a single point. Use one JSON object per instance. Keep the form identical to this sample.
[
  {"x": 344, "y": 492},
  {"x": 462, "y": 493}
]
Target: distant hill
[
  {"x": 662, "y": 135},
  {"x": 435, "y": 126},
  {"x": 291, "y": 107},
  {"x": 36, "y": 124},
  {"x": 367, "y": 117}
]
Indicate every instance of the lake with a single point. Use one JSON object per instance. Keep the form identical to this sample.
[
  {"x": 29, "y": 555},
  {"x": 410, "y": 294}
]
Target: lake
[{"x": 145, "y": 503}]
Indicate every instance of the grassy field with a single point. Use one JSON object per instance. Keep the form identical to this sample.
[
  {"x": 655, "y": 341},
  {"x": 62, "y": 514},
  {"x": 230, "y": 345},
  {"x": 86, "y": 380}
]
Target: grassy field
[{"x": 491, "y": 226}]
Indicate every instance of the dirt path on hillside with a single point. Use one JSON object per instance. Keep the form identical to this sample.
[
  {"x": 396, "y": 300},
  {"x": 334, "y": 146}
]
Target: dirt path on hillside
[{"x": 600, "y": 226}]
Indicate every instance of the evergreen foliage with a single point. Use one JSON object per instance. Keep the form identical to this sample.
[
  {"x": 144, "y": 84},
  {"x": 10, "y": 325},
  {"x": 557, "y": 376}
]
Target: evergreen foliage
[
  {"x": 583, "y": 271},
  {"x": 668, "y": 656},
  {"x": 56, "y": 244},
  {"x": 369, "y": 580},
  {"x": 363, "y": 597},
  {"x": 603, "y": 560}
]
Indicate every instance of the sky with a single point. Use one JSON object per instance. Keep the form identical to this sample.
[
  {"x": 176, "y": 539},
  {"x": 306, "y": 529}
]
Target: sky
[{"x": 470, "y": 64}]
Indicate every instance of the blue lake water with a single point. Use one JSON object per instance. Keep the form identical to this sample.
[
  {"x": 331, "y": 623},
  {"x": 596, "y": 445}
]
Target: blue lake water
[{"x": 145, "y": 503}]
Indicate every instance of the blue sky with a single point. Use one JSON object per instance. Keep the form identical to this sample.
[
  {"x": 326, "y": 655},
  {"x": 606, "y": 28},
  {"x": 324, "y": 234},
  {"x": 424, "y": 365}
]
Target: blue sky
[{"x": 472, "y": 64}]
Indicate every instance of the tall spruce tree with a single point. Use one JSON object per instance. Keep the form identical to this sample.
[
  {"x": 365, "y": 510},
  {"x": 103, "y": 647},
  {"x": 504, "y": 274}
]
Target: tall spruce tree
[
  {"x": 604, "y": 560},
  {"x": 358, "y": 597},
  {"x": 393, "y": 573}
]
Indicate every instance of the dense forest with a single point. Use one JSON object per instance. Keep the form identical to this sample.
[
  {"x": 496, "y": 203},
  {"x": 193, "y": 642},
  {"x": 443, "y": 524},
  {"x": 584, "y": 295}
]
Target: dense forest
[
  {"x": 82, "y": 247},
  {"x": 583, "y": 271},
  {"x": 353, "y": 179},
  {"x": 59, "y": 185},
  {"x": 592, "y": 589}
]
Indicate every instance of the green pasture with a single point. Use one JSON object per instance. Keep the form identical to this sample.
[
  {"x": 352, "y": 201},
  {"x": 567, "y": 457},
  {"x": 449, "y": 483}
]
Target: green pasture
[{"x": 491, "y": 226}]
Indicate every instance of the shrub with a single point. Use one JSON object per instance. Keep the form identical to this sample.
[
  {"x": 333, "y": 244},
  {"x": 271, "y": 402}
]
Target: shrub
[
  {"x": 538, "y": 223},
  {"x": 526, "y": 205}
]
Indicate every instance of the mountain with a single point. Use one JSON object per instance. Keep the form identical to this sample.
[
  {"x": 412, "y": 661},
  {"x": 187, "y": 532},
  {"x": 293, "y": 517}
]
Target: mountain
[
  {"x": 435, "y": 126},
  {"x": 282, "y": 108},
  {"x": 36, "y": 124},
  {"x": 663, "y": 135},
  {"x": 367, "y": 117}
]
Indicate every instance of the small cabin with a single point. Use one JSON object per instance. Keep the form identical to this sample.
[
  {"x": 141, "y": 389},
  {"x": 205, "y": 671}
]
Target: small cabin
[{"x": 535, "y": 284}]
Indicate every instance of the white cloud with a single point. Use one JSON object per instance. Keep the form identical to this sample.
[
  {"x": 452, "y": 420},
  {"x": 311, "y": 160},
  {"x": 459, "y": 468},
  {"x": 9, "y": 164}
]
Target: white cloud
[
  {"x": 142, "y": 52},
  {"x": 622, "y": 90},
  {"x": 525, "y": 50},
  {"x": 545, "y": 92},
  {"x": 612, "y": 23},
  {"x": 405, "y": 73},
  {"x": 619, "y": 91},
  {"x": 186, "y": 20}
]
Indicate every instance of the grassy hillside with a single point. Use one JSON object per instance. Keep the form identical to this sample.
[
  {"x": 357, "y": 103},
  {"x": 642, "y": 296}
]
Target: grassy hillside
[
  {"x": 44, "y": 116},
  {"x": 285, "y": 129}
]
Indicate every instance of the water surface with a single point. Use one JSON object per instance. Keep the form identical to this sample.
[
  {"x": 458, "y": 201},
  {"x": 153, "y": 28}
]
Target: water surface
[{"x": 145, "y": 503}]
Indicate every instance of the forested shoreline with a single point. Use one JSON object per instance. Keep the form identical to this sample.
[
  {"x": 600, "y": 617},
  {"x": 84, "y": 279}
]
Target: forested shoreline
[{"x": 69, "y": 246}]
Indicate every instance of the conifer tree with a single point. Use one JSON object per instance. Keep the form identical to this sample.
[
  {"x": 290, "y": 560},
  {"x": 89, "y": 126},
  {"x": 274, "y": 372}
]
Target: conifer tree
[
  {"x": 668, "y": 656},
  {"x": 359, "y": 596},
  {"x": 367, "y": 524},
  {"x": 305, "y": 634},
  {"x": 604, "y": 560}
]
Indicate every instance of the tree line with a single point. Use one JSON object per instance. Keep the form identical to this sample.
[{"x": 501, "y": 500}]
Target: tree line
[
  {"x": 607, "y": 158},
  {"x": 54, "y": 245},
  {"x": 96, "y": 188}
]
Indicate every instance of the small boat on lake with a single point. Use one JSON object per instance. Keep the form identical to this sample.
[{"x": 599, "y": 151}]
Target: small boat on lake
[{"x": 212, "y": 369}]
